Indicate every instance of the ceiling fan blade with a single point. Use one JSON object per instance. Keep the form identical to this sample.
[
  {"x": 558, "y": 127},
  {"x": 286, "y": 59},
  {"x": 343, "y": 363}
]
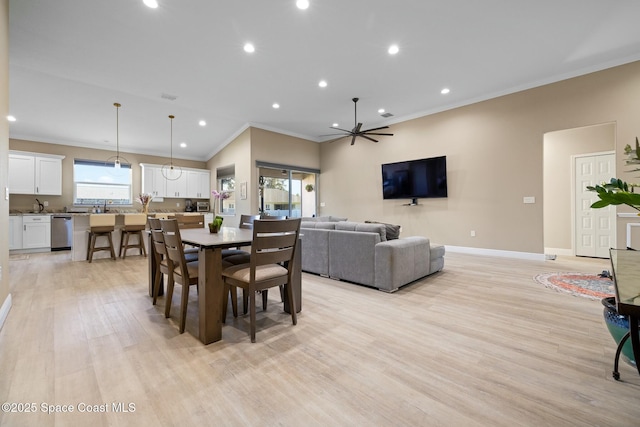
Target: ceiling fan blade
[
  {"x": 334, "y": 134},
  {"x": 376, "y": 133},
  {"x": 383, "y": 127},
  {"x": 370, "y": 139},
  {"x": 353, "y": 139},
  {"x": 344, "y": 130},
  {"x": 357, "y": 128}
]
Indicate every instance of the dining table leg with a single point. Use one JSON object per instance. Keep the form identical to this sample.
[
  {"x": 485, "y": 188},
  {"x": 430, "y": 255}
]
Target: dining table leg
[{"x": 210, "y": 295}]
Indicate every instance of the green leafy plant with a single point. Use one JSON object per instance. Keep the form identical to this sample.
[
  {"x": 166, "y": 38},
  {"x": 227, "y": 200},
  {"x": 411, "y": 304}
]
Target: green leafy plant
[
  {"x": 616, "y": 192},
  {"x": 217, "y": 222}
]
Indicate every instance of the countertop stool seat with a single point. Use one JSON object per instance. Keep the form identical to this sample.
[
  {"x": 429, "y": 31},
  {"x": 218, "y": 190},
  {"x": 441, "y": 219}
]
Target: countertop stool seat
[
  {"x": 100, "y": 225},
  {"x": 134, "y": 224}
]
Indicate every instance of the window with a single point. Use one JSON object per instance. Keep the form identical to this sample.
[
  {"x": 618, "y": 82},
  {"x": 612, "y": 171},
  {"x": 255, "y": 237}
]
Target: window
[
  {"x": 97, "y": 183},
  {"x": 228, "y": 206}
]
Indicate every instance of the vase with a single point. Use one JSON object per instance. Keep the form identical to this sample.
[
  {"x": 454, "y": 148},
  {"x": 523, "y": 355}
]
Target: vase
[
  {"x": 213, "y": 228},
  {"x": 145, "y": 209},
  {"x": 618, "y": 326}
]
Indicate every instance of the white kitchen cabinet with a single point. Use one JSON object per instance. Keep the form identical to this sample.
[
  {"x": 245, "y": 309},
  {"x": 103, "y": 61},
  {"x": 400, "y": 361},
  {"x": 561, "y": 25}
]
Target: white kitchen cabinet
[
  {"x": 192, "y": 183},
  {"x": 33, "y": 173},
  {"x": 177, "y": 187},
  {"x": 198, "y": 184},
  {"x": 153, "y": 182},
  {"x": 15, "y": 232},
  {"x": 36, "y": 231}
]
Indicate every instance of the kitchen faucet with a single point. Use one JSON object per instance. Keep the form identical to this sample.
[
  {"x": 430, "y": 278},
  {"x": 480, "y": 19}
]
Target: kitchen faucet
[{"x": 40, "y": 206}]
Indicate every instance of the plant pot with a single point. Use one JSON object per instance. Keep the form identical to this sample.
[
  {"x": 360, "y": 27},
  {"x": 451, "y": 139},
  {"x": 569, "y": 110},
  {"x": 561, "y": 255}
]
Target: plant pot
[
  {"x": 213, "y": 229},
  {"x": 618, "y": 326}
]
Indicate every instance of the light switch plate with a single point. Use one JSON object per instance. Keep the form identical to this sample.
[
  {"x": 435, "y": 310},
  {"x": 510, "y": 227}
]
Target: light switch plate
[
  {"x": 528, "y": 199},
  {"x": 6, "y": 193}
]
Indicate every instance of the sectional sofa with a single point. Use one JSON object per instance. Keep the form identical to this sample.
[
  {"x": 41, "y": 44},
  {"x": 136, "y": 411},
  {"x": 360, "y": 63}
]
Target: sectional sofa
[{"x": 361, "y": 253}]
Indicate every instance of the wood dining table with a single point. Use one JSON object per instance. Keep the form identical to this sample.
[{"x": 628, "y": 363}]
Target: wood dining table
[{"x": 211, "y": 293}]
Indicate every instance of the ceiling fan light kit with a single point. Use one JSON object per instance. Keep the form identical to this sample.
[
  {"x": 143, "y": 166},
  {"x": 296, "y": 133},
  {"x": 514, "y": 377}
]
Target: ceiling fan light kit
[{"x": 357, "y": 128}]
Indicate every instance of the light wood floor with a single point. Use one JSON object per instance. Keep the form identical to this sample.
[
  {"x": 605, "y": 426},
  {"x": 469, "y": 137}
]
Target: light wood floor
[{"x": 479, "y": 344}]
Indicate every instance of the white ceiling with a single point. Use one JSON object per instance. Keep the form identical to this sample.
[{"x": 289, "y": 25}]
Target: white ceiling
[{"x": 70, "y": 60}]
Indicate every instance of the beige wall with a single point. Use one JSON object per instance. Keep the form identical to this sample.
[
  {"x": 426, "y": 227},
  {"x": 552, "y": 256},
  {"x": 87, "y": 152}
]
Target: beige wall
[
  {"x": 236, "y": 154},
  {"x": 4, "y": 148},
  {"x": 56, "y": 203},
  {"x": 559, "y": 147},
  {"x": 266, "y": 146},
  {"x": 494, "y": 155}
]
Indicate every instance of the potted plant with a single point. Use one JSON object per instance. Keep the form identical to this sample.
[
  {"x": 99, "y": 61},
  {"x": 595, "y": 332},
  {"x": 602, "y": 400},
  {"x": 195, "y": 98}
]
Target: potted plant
[
  {"x": 215, "y": 226},
  {"x": 309, "y": 187}
]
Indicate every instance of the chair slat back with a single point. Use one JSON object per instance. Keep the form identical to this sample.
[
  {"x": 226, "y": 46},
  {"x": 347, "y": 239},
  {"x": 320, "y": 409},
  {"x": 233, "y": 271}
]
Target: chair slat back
[
  {"x": 173, "y": 244},
  {"x": 274, "y": 241},
  {"x": 190, "y": 221},
  {"x": 246, "y": 221}
]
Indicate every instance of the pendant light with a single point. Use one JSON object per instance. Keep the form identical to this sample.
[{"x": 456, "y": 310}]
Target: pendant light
[
  {"x": 118, "y": 161},
  {"x": 169, "y": 170}
]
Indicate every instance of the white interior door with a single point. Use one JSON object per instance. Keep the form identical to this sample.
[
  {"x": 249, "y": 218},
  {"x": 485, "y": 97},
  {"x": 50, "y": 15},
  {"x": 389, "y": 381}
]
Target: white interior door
[{"x": 595, "y": 229}]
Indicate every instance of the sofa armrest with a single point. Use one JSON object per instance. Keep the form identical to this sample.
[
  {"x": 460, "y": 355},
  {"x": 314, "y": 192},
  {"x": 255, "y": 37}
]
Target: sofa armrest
[{"x": 401, "y": 261}]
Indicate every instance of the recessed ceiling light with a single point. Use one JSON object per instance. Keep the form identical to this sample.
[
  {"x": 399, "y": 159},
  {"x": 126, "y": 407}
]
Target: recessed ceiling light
[
  {"x": 202, "y": 123},
  {"x": 322, "y": 83},
  {"x": 445, "y": 91},
  {"x": 393, "y": 49},
  {"x": 150, "y": 3},
  {"x": 276, "y": 105},
  {"x": 302, "y": 4},
  {"x": 11, "y": 118},
  {"x": 249, "y": 48},
  {"x": 183, "y": 144},
  {"x": 381, "y": 110},
  {"x": 335, "y": 125}
]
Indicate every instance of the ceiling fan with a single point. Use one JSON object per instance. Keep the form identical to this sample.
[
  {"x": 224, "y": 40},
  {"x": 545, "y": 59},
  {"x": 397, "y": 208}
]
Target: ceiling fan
[{"x": 356, "y": 131}]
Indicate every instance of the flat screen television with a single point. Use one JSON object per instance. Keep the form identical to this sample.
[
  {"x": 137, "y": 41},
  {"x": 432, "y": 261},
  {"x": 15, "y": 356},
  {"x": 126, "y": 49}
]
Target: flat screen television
[{"x": 415, "y": 179}]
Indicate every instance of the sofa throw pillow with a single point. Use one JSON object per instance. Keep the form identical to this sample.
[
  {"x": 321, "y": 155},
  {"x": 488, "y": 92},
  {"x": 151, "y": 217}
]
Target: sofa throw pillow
[{"x": 393, "y": 231}]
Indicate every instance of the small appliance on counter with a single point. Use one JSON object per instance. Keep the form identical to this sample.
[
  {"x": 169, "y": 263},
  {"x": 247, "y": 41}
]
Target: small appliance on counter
[
  {"x": 202, "y": 206},
  {"x": 188, "y": 205}
]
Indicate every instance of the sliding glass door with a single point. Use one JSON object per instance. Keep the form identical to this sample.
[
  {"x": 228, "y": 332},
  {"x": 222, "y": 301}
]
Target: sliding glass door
[{"x": 285, "y": 191}]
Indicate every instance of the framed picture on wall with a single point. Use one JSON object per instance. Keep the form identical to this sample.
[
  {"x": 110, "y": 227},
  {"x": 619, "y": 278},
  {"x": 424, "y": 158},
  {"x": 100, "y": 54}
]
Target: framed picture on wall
[{"x": 243, "y": 191}]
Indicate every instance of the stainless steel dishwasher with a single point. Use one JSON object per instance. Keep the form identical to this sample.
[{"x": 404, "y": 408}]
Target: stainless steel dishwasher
[{"x": 61, "y": 232}]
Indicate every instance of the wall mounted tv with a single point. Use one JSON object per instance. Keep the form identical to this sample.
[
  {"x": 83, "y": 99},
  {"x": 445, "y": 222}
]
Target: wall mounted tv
[{"x": 415, "y": 179}]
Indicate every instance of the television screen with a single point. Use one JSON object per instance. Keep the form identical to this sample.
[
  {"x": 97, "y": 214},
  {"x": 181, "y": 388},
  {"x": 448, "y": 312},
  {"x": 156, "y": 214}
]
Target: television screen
[{"x": 415, "y": 179}]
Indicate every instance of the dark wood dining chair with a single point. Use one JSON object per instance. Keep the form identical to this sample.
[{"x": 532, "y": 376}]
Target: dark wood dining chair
[
  {"x": 179, "y": 270},
  {"x": 272, "y": 252},
  {"x": 159, "y": 252}
]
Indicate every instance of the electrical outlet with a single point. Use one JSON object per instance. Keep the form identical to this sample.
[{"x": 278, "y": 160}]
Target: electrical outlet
[
  {"x": 322, "y": 204},
  {"x": 177, "y": 204},
  {"x": 473, "y": 233},
  {"x": 45, "y": 203}
]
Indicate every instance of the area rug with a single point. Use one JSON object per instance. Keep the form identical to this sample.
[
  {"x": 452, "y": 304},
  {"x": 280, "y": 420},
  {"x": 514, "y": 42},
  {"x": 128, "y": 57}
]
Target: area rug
[{"x": 579, "y": 284}]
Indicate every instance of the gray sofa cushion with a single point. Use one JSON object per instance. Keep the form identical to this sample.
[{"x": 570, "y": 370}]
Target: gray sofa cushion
[
  {"x": 352, "y": 256},
  {"x": 318, "y": 224},
  {"x": 315, "y": 250},
  {"x": 326, "y": 218},
  {"x": 393, "y": 231},
  {"x": 363, "y": 227}
]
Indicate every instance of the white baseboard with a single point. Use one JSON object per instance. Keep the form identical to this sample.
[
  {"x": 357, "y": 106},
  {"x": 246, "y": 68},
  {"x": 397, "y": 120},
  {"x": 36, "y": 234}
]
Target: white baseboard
[
  {"x": 559, "y": 251},
  {"x": 4, "y": 310},
  {"x": 495, "y": 252}
]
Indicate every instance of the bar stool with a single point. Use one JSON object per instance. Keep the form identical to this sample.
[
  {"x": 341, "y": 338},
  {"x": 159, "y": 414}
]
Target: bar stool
[
  {"x": 101, "y": 225},
  {"x": 134, "y": 224}
]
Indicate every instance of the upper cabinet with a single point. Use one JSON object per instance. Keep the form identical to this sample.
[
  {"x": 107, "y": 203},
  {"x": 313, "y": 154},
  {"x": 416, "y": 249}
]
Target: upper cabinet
[
  {"x": 35, "y": 173},
  {"x": 198, "y": 184},
  {"x": 193, "y": 183},
  {"x": 153, "y": 182}
]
